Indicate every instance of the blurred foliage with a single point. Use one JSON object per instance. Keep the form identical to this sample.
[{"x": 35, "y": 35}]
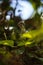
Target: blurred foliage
[
  {"x": 25, "y": 39},
  {"x": 7, "y": 42},
  {"x": 36, "y": 3}
]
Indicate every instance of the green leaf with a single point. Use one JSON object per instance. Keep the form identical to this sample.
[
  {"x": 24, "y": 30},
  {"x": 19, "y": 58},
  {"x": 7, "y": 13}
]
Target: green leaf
[{"x": 7, "y": 42}]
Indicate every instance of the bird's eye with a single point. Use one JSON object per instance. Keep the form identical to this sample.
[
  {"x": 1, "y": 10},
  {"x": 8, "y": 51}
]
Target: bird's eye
[{"x": 19, "y": 10}]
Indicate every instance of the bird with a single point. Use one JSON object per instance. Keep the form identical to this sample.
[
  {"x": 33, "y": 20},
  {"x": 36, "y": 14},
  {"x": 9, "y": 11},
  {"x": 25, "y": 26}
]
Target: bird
[{"x": 24, "y": 9}]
